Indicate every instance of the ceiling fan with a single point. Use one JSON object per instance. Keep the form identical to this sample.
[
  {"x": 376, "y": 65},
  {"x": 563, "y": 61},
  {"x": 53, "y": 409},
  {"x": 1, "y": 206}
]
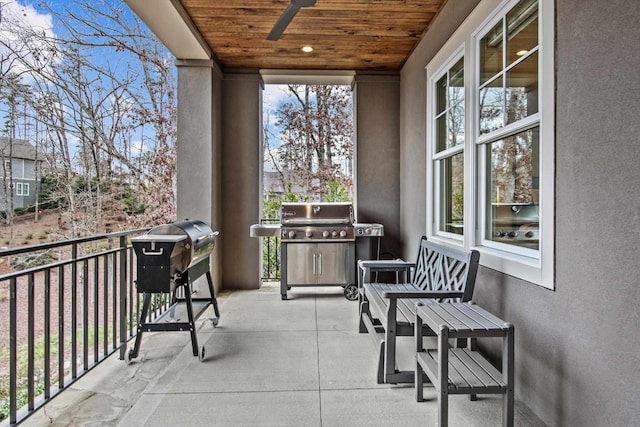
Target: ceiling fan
[{"x": 286, "y": 17}]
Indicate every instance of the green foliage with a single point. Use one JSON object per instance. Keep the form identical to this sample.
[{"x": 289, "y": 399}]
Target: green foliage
[
  {"x": 32, "y": 259},
  {"x": 271, "y": 206},
  {"x": 80, "y": 185},
  {"x": 39, "y": 352},
  {"x": 334, "y": 191},
  {"x": 50, "y": 192},
  {"x": 133, "y": 205}
]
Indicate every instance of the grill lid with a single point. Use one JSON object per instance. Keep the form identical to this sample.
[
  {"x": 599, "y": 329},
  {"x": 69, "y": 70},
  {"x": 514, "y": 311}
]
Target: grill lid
[
  {"x": 316, "y": 213},
  {"x": 189, "y": 243}
]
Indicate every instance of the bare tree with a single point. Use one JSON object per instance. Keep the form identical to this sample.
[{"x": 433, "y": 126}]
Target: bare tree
[
  {"x": 100, "y": 81},
  {"x": 317, "y": 137}
]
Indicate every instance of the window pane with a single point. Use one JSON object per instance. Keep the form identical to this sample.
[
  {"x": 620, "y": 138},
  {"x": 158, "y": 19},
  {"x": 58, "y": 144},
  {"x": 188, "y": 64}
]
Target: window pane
[
  {"x": 441, "y": 133},
  {"x": 456, "y": 125},
  {"x": 522, "y": 89},
  {"x": 456, "y": 82},
  {"x": 512, "y": 188},
  {"x": 452, "y": 194},
  {"x": 441, "y": 95},
  {"x": 492, "y": 106},
  {"x": 449, "y": 119},
  {"x": 522, "y": 24},
  {"x": 491, "y": 53}
]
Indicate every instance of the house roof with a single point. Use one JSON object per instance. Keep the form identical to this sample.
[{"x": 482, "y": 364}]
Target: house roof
[
  {"x": 360, "y": 35},
  {"x": 19, "y": 148}
]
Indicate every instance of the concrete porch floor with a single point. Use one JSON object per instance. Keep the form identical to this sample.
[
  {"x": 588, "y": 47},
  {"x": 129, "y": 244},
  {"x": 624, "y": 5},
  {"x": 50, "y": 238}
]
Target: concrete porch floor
[{"x": 299, "y": 362}]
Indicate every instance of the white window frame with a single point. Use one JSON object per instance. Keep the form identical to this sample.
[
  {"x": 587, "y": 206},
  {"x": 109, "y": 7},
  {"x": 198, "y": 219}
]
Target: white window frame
[
  {"x": 433, "y": 163},
  {"x": 529, "y": 265},
  {"x": 22, "y": 189}
]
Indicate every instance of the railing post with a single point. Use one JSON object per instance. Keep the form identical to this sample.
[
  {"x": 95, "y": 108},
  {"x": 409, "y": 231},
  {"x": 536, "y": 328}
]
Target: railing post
[
  {"x": 123, "y": 296},
  {"x": 13, "y": 350},
  {"x": 74, "y": 313}
]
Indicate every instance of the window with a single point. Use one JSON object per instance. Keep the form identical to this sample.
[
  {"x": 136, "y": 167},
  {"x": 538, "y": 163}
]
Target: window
[
  {"x": 491, "y": 138},
  {"x": 22, "y": 189},
  {"x": 448, "y": 148}
]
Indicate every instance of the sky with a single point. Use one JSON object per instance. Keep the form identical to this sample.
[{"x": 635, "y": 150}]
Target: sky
[
  {"x": 273, "y": 95},
  {"x": 34, "y": 15},
  {"x": 13, "y": 10}
]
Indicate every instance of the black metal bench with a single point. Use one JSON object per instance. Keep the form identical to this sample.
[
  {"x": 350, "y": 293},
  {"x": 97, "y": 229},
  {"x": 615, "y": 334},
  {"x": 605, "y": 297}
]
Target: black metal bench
[{"x": 387, "y": 310}]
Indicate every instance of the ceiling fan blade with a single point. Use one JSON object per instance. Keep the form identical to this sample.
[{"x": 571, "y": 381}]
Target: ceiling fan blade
[
  {"x": 286, "y": 17},
  {"x": 283, "y": 21}
]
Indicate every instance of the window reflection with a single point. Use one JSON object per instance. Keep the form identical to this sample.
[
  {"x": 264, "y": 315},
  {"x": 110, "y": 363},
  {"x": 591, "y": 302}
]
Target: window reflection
[
  {"x": 492, "y": 106},
  {"x": 522, "y": 28},
  {"x": 513, "y": 185},
  {"x": 441, "y": 98},
  {"x": 491, "y": 53},
  {"x": 449, "y": 120},
  {"x": 522, "y": 89},
  {"x": 452, "y": 194},
  {"x": 456, "y": 82}
]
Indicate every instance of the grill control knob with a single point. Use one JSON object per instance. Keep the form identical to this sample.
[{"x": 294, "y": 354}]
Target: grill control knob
[
  {"x": 308, "y": 233},
  {"x": 343, "y": 233},
  {"x": 529, "y": 234},
  {"x": 513, "y": 234},
  {"x": 325, "y": 233},
  {"x": 334, "y": 233},
  {"x": 292, "y": 234},
  {"x": 500, "y": 234}
]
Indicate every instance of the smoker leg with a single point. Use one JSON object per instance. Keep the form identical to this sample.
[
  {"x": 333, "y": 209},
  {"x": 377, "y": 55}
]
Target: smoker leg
[
  {"x": 214, "y": 300},
  {"x": 192, "y": 323},
  {"x": 146, "y": 303}
]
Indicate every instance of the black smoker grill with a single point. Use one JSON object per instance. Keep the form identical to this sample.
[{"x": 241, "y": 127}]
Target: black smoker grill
[{"x": 170, "y": 258}]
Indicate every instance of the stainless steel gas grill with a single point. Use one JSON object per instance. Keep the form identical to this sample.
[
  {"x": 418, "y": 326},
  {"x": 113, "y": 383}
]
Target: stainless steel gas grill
[
  {"x": 317, "y": 246},
  {"x": 170, "y": 258}
]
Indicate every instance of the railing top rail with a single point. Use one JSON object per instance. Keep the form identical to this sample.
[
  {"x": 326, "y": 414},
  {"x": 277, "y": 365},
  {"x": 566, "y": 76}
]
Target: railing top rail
[{"x": 62, "y": 243}]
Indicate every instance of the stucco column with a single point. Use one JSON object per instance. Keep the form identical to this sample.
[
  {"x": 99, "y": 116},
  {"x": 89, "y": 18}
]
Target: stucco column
[
  {"x": 241, "y": 178},
  {"x": 377, "y": 119},
  {"x": 198, "y": 149}
]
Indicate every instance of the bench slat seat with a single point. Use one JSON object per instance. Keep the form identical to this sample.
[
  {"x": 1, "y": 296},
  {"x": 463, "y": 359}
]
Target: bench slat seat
[{"x": 387, "y": 310}]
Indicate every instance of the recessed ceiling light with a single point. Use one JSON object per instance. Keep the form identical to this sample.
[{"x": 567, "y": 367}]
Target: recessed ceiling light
[
  {"x": 307, "y": 49},
  {"x": 522, "y": 52}
]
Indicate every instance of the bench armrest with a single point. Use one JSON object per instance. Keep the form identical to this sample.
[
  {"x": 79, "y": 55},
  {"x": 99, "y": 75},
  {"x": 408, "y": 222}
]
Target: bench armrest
[
  {"x": 385, "y": 265},
  {"x": 397, "y": 265},
  {"x": 422, "y": 294}
]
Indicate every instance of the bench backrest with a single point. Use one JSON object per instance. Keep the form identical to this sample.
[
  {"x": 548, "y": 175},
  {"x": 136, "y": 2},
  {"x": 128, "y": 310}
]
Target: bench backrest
[{"x": 439, "y": 268}]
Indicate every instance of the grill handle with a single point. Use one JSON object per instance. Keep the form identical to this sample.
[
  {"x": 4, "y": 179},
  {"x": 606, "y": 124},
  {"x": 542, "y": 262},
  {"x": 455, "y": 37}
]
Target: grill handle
[
  {"x": 152, "y": 252},
  {"x": 214, "y": 234}
]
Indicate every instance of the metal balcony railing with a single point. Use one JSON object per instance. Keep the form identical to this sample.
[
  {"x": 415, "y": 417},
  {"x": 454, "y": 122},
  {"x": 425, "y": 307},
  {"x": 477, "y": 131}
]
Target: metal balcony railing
[
  {"x": 270, "y": 254},
  {"x": 62, "y": 316}
]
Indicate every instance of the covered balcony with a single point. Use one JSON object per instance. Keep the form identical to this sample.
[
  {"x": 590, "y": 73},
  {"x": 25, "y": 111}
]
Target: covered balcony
[{"x": 571, "y": 294}]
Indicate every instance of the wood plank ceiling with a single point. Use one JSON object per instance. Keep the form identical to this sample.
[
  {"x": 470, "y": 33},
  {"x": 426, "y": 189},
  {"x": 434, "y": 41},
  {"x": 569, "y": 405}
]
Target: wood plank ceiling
[{"x": 362, "y": 35}]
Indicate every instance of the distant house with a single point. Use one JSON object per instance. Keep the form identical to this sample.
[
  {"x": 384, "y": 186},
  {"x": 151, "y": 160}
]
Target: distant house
[{"x": 18, "y": 168}]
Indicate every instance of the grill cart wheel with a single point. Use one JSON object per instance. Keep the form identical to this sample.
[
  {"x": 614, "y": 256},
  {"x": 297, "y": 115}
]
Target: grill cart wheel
[
  {"x": 214, "y": 322},
  {"x": 201, "y": 355},
  {"x": 127, "y": 356},
  {"x": 351, "y": 292},
  {"x": 284, "y": 297}
]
